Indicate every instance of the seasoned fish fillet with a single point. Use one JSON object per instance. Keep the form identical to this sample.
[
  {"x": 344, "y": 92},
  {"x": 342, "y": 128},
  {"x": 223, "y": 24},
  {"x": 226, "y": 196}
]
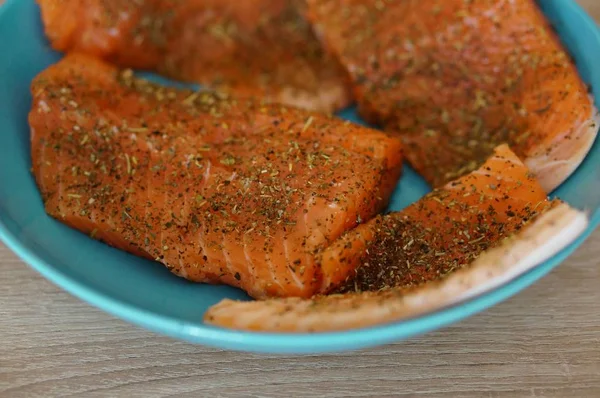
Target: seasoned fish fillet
[
  {"x": 219, "y": 190},
  {"x": 465, "y": 238},
  {"x": 261, "y": 48},
  {"x": 457, "y": 78}
]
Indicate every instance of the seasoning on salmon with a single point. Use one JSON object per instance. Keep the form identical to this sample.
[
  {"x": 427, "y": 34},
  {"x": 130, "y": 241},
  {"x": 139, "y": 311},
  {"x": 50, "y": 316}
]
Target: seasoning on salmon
[
  {"x": 218, "y": 189},
  {"x": 260, "y": 48},
  {"x": 465, "y": 238},
  {"x": 456, "y": 78}
]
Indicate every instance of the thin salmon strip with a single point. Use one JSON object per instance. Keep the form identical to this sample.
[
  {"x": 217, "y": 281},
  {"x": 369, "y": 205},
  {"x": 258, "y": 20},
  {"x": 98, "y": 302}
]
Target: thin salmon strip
[
  {"x": 218, "y": 189},
  {"x": 260, "y": 48},
  {"x": 457, "y": 78},
  {"x": 463, "y": 239}
]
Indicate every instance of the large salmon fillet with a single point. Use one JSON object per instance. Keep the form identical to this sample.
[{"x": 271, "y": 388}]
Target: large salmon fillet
[
  {"x": 457, "y": 78},
  {"x": 217, "y": 189},
  {"x": 260, "y": 48},
  {"x": 467, "y": 237}
]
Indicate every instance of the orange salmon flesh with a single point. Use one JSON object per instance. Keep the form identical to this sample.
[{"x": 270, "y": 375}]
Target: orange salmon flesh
[
  {"x": 456, "y": 78},
  {"x": 469, "y": 236},
  {"x": 220, "y": 190},
  {"x": 262, "y": 48}
]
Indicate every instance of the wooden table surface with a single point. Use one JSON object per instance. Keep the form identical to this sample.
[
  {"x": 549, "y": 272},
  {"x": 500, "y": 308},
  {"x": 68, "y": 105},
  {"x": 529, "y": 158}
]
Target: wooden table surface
[{"x": 543, "y": 342}]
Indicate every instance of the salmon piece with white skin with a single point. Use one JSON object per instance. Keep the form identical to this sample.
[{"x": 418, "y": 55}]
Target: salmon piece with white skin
[
  {"x": 468, "y": 237},
  {"x": 218, "y": 189},
  {"x": 457, "y": 78},
  {"x": 261, "y": 48}
]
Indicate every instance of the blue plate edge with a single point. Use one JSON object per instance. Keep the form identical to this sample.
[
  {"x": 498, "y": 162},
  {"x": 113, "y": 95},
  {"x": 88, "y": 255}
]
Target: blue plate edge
[{"x": 305, "y": 343}]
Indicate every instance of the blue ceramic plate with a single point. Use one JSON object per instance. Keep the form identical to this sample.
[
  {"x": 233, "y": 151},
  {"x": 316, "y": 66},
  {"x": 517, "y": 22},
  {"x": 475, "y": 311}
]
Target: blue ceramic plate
[{"x": 145, "y": 293}]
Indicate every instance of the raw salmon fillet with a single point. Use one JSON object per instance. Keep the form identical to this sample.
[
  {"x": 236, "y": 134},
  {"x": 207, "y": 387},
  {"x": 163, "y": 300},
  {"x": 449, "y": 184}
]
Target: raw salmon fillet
[
  {"x": 260, "y": 48},
  {"x": 217, "y": 189},
  {"x": 457, "y": 78},
  {"x": 465, "y": 238}
]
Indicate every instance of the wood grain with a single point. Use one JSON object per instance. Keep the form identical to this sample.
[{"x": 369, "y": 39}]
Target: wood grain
[{"x": 543, "y": 342}]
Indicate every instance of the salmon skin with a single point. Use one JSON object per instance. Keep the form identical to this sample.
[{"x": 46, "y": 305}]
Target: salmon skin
[
  {"x": 260, "y": 48},
  {"x": 219, "y": 190},
  {"x": 460, "y": 240},
  {"x": 457, "y": 78}
]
